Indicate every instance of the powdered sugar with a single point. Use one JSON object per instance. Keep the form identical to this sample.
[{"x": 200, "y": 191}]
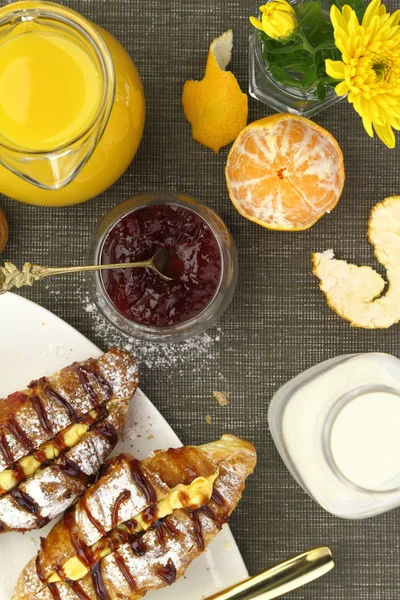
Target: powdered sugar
[
  {"x": 14, "y": 516},
  {"x": 204, "y": 347}
]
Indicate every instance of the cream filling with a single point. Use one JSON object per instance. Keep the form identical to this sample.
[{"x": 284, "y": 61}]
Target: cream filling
[
  {"x": 72, "y": 435},
  {"x": 192, "y": 496}
]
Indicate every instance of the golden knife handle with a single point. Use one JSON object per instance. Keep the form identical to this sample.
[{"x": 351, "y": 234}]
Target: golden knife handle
[{"x": 282, "y": 578}]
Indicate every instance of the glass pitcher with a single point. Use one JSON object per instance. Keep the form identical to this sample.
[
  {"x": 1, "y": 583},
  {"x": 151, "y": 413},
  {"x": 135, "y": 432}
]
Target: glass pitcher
[{"x": 71, "y": 105}]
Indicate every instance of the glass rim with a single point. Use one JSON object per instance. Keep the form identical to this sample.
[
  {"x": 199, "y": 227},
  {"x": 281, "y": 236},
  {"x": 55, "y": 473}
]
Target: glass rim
[
  {"x": 83, "y": 27},
  {"x": 334, "y": 412},
  {"x": 148, "y": 328},
  {"x": 221, "y": 297}
]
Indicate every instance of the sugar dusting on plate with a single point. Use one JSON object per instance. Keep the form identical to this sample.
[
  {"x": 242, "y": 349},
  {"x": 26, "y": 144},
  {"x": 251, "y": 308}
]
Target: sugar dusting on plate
[{"x": 203, "y": 348}]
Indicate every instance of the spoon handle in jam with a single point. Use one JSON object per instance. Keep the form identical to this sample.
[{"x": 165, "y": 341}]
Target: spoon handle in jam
[
  {"x": 47, "y": 271},
  {"x": 282, "y": 578},
  {"x": 12, "y": 277}
]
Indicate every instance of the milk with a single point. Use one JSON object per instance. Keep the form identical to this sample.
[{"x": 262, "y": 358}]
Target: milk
[{"x": 337, "y": 428}]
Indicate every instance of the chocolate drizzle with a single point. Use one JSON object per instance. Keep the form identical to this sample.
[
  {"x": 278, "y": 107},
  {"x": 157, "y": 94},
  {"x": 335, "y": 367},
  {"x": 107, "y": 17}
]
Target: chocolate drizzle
[
  {"x": 138, "y": 545},
  {"x": 109, "y": 432},
  {"x": 83, "y": 505},
  {"x": 77, "y": 588},
  {"x": 19, "y": 434},
  {"x": 38, "y": 407},
  {"x": 25, "y": 501},
  {"x": 159, "y": 529},
  {"x": 53, "y": 589},
  {"x": 39, "y": 570},
  {"x": 82, "y": 550},
  {"x": 211, "y": 515},
  {"x": 74, "y": 585},
  {"x": 70, "y": 468},
  {"x": 221, "y": 514},
  {"x": 163, "y": 527},
  {"x": 125, "y": 495},
  {"x": 5, "y": 449},
  {"x": 123, "y": 567},
  {"x": 86, "y": 384},
  {"x": 218, "y": 499},
  {"x": 2, "y": 527},
  {"x": 84, "y": 377},
  {"x": 198, "y": 534},
  {"x": 53, "y": 395},
  {"x": 142, "y": 483},
  {"x": 102, "y": 412},
  {"x": 40, "y": 457},
  {"x": 98, "y": 583},
  {"x": 149, "y": 515},
  {"x": 167, "y": 572}
]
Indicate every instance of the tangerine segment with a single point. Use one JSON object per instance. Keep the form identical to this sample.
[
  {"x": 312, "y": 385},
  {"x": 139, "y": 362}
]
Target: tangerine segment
[
  {"x": 216, "y": 107},
  {"x": 285, "y": 172}
]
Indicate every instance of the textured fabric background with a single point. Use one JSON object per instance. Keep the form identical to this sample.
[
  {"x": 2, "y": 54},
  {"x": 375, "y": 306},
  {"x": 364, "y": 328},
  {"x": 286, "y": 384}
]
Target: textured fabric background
[{"x": 278, "y": 324}]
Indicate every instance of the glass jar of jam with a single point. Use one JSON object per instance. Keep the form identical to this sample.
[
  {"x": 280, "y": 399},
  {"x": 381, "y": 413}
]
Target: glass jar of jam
[{"x": 202, "y": 264}]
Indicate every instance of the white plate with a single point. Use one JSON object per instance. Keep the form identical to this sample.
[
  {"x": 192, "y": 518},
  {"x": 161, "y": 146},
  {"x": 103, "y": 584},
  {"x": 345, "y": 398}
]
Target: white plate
[{"x": 34, "y": 342}]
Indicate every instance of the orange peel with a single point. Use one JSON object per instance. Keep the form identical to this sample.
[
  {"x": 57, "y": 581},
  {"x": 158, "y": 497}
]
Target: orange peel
[
  {"x": 215, "y": 106},
  {"x": 355, "y": 293},
  {"x": 285, "y": 172}
]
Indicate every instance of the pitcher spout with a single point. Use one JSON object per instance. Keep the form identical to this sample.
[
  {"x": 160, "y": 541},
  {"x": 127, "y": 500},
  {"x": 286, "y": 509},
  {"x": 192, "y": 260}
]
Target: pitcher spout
[{"x": 51, "y": 170}]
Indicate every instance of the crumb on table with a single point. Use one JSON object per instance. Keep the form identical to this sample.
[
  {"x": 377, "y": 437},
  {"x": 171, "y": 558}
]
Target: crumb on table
[
  {"x": 222, "y": 398},
  {"x": 208, "y": 420}
]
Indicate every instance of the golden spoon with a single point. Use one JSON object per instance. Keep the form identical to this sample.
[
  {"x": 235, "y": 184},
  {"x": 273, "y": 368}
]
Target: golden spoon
[{"x": 11, "y": 277}]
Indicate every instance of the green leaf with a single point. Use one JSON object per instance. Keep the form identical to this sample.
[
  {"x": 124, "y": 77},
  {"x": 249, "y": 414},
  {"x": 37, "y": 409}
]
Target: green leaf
[
  {"x": 326, "y": 45},
  {"x": 283, "y": 77},
  {"x": 275, "y": 47},
  {"x": 287, "y": 50},
  {"x": 309, "y": 14},
  {"x": 319, "y": 60},
  {"x": 329, "y": 80},
  {"x": 321, "y": 91},
  {"x": 298, "y": 65},
  {"x": 310, "y": 77}
]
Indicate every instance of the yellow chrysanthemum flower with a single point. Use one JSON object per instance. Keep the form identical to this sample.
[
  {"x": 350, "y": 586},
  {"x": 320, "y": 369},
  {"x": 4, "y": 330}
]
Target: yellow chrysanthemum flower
[
  {"x": 278, "y": 19},
  {"x": 370, "y": 66}
]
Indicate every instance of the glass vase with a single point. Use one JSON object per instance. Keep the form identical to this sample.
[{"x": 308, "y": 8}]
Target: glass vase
[{"x": 282, "y": 98}]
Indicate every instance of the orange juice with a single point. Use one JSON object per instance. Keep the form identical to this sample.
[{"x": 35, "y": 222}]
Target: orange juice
[{"x": 52, "y": 90}]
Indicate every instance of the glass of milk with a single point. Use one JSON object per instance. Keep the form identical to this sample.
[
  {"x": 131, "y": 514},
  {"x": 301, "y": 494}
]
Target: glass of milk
[{"x": 337, "y": 429}]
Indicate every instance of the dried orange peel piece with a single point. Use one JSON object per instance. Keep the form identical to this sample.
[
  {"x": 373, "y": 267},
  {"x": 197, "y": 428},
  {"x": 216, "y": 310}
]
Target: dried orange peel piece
[
  {"x": 215, "y": 106},
  {"x": 354, "y": 292},
  {"x": 285, "y": 172}
]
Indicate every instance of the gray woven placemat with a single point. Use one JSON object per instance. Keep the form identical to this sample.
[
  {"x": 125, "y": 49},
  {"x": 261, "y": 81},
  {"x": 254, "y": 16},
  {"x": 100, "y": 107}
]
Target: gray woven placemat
[{"x": 278, "y": 324}]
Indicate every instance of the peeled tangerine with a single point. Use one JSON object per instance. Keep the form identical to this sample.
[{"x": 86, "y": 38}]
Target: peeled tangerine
[
  {"x": 285, "y": 172},
  {"x": 355, "y": 292},
  {"x": 215, "y": 106}
]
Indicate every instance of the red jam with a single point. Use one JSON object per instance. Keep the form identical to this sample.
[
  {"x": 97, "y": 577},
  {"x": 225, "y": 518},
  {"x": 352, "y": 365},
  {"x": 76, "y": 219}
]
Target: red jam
[{"x": 143, "y": 296}]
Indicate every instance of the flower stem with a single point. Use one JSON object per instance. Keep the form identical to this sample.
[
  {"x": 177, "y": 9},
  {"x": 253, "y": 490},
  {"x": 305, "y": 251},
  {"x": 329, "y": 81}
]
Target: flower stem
[{"x": 306, "y": 44}]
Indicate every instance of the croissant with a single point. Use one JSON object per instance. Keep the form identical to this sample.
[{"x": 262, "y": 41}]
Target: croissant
[
  {"x": 56, "y": 434},
  {"x": 141, "y": 524}
]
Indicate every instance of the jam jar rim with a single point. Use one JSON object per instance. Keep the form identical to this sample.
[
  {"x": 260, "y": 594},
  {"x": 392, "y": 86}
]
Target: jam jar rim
[
  {"x": 199, "y": 322},
  {"x": 129, "y": 212}
]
